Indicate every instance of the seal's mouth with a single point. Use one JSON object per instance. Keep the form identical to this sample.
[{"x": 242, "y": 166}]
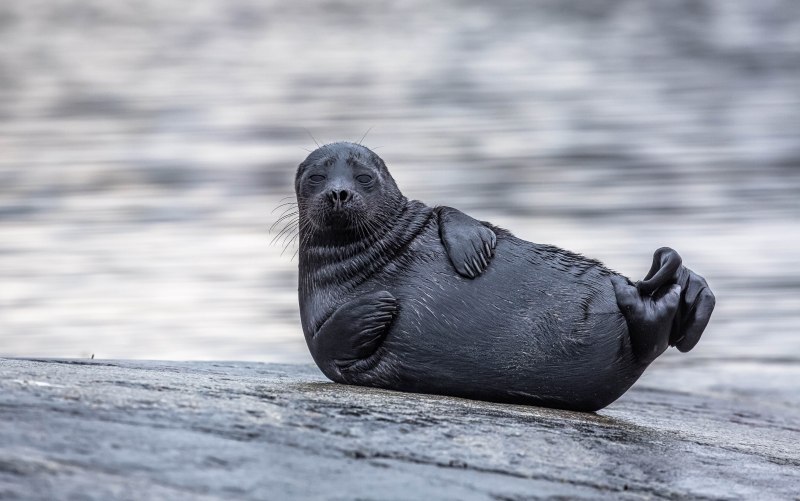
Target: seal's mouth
[
  {"x": 337, "y": 210},
  {"x": 338, "y": 218}
]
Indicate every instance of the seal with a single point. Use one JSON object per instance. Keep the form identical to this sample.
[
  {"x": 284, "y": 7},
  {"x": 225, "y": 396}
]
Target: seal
[{"x": 399, "y": 295}]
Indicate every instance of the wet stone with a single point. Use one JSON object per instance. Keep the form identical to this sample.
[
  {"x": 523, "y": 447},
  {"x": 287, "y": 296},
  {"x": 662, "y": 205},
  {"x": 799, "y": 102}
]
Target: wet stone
[{"x": 91, "y": 429}]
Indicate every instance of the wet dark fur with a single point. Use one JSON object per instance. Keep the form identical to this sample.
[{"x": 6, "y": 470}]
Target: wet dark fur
[{"x": 540, "y": 326}]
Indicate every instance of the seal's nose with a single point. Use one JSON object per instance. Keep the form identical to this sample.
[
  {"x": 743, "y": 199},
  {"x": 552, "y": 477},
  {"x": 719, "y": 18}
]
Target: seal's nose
[{"x": 338, "y": 197}]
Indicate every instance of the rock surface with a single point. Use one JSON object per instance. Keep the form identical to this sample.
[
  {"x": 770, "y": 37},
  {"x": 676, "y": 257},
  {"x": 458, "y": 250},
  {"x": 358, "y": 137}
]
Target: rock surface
[{"x": 91, "y": 429}]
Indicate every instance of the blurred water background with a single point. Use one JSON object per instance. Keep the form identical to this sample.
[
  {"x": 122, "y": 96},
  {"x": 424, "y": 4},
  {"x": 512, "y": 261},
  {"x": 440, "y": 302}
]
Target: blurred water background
[{"x": 144, "y": 145}]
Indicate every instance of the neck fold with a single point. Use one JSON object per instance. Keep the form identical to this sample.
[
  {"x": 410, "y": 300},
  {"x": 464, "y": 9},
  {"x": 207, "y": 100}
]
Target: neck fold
[{"x": 349, "y": 258}]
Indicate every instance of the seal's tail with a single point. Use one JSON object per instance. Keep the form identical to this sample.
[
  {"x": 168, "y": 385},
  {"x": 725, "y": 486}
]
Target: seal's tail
[{"x": 671, "y": 306}]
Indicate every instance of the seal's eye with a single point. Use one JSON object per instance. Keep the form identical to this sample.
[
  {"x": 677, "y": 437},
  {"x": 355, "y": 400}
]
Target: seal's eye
[
  {"x": 317, "y": 178},
  {"x": 364, "y": 178}
]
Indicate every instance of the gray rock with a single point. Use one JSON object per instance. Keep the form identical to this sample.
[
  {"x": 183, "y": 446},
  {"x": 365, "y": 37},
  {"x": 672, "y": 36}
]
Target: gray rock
[{"x": 90, "y": 429}]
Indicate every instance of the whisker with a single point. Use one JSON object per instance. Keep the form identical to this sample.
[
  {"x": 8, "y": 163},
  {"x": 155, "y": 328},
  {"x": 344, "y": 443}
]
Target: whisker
[
  {"x": 312, "y": 136},
  {"x": 286, "y": 228},
  {"x": 364, "y": 136},
  {"x": 288, "y": 210},
  {"x": 283, "y": 205},
  {"x": 305, "y": 229},
  {"x": 291, "y": 238},
  {"x": 295, "y": 235},
  {"x": 283, "y": 218},
  {"x": 289, "y": 234}
]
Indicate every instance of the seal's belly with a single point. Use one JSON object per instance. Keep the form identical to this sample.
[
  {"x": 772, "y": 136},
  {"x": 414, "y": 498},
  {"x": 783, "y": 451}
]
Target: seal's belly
[{"x": 533, "y": 326}]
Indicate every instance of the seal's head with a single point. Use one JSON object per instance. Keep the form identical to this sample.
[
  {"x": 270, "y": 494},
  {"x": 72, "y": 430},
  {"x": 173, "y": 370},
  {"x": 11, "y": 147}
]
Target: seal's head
[{"x": 345, "y": 189}]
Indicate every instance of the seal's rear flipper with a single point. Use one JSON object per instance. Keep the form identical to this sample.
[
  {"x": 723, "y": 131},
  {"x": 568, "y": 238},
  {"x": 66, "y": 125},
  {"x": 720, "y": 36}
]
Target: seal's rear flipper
[
  {"x": 649, "y": 317},
  {"x": 694, "y": 312},
  {"x": 671, "y": 306}
]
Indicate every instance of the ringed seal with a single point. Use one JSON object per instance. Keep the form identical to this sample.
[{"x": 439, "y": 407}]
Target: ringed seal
[{"x": 399, "y": 295}]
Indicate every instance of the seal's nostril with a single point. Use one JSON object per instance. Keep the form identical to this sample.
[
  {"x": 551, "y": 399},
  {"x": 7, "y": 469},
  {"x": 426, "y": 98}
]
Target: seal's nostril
[{"x": 338, "y": 197}]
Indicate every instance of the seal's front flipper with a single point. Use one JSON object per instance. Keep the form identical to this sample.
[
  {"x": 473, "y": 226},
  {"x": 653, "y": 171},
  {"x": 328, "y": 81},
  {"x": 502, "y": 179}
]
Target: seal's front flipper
[
  {"x": 695, "y": 303},
  {"x": 468, "y": 242},
  {"x": 354, "y": 332}
]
